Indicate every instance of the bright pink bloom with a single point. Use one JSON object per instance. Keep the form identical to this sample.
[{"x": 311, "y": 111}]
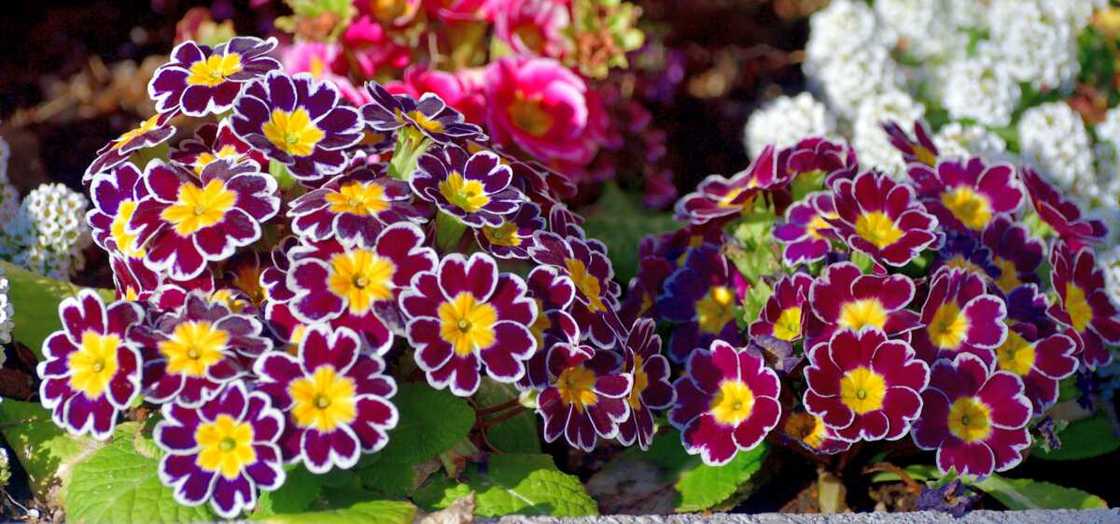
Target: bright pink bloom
[
  {"x": 370, "y": 49},
  {"x": 534, "y": 27}
]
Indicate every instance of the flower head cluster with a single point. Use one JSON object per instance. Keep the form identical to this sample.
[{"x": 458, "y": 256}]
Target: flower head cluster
[{"x": 45, "y": 232}]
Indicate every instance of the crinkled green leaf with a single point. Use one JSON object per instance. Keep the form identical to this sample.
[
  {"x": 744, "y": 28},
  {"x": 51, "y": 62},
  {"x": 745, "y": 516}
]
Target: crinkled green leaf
[
  {"x": 36, "y": 300},
  {"x": 371, "y": 512},
  {"x": 1084, "y": 439},
  {"x": 119, "y": 483},
  {"x": 45, "y": 451},
  {"x": 301, "y": 488},
  {"x": 702, "y": 487},
  {"x": 513, "y": 483},
  {"x": 1018, "y": 494},
  {"x": 621, "y": 222}
]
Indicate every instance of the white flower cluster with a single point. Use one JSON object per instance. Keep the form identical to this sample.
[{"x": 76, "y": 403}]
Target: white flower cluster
[
  {"x": 1053, "y": 139},
  {"x": 785, "y": 120},
  {"x": 956, "y": 140},
  {"x": 7, "y": 313},
  {"x": 871, "y": 141}
]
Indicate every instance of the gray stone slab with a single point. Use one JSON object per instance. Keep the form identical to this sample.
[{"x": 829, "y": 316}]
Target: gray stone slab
[{"x": 1103, "y": 516}]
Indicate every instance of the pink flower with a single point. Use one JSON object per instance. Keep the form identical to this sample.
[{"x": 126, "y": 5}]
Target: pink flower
[
  {"x": 543, "y": 108},
  {"x": 462, "y": 90},
  {"x": 534, "y": 27},
  {"x": 462, "y": 10},
  {"x": 324, "y": 62},
  {"x": 370, "y": 49}
]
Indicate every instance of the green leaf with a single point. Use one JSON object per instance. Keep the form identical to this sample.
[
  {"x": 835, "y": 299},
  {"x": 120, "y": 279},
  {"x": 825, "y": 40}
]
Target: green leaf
[
  {"x": 621, "y": 222},
  {"x": 36, "y": 300},
  {"x": 372, "y": 512},
  {"x": 300, "y": 490},
  {"x": 119, "y": 483},
  {"x": 757, "y": 296},
  {"x": 449, "y": 229},
  {"x": 1084, "y": 439},
  {"x": 515, "y": 435},
  {"x": 513, "y": 483},
  {"x": 46, "y": 451},
  {"x": 702, "y": 487},
  {"x": 1018, "y": 494}
]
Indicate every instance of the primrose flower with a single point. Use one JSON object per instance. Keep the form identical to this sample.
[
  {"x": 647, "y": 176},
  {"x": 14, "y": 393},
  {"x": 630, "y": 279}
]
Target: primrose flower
[
  {"x": 335, "y": 395},
  {"x": 817, "y": 156},
  {"x": 514, "y": 237},
  {"x": 116, "y": 195},
  {"x": 1083, "y": 303},
  {"x": 844, "y": 298},
  {"x": 963, "y": 250},
  {"x": 976, "y": 419},
  {"x": 473, "y": 188},
  {"x": 811, "y": 432},
  {"x": 222, "y": 452},
  {"x": 534, "y": 27},
  {"x": 807, "y": 232},
  {"x": 651, "y": 388},
  {"x": 357, "y": 284},
  {"x": 354, "y": 207},
  {"x": 702, "y": 298},
  {"x": 864, "y": 386},
  {"x": 1015, "y": 252},
  {"x": 881, "y": 217},
  {"x": 465, "y": 314},
  {"x": 587, "y": 396},
  {"x": 460, "y": 89},
  {"x": 191, "y": 354},
  {"x": 727, "y": 401},
  {"x": 718, "y": 197},
  {"x": 960, "y": 316},
  {"x": 1060, "y": 213},
  {"x": 200, "y": 81},
  {"x": 214, "y": 142},
  {"x": 1039, "y": 361},
  {"x": 185, "y": 222},
  {"x": 967, "y": 195},
  {"x": 91, "y": 368},
  {"x": 920, "y": 150},
  {"x": 150, "y": 133},
  {"x": 784, "y": 315},
  {"x": 299, "y": 122},
  {"x": 590, "y": 270},
  {"x": 429, "y": 115},
  {"x": 554, "y": 293}
]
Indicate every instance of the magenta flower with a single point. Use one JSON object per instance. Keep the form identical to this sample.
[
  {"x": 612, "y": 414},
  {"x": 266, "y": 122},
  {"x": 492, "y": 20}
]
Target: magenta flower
[
  {"x": 115, "y": 195},
  {"x": 185, "y": 222},
  {"x": 784, "y": 315},
  {"x": 473, "y": 188},
  {"x": 1015, "y": 253},
  {"x": 844, "y": 298},
  {"x": 91, "y": 368},
  {"x": 718, "y": 197},
  {"x": 200, "y": 81},
  {"x": 191, "y": 354},
  {"x": 864, "y": 386},
  {"x": 702, "y": 298},
  {"x": 1060, "y": 213},
  {"x": 534, "y": 27},
  {"x": 336, "y": 397},
  {"x": 514, "y": 237},
  {"x": 371, "y": 50},
  {"x": 591, "y": 272},
  {"x": 651, "y": 388},
  {"x": 817, "y": 155},
  {"x": 429, "y": 115},
  {"x": 807, "y": 233},
  {"x": 354, "y": 207},
  {"x": 150, "y": 133},
  {"x": 974, "y": 418},
  {"x": 465, "y": 314},
  {"x": 358, "y": 285},
  {"x": 727, "y": 401},
  {"x": 967, "y": 195},
  {"x": 554, "y": 293},
  {"x": 215, "y": 142},
  {"x": 1039, "y": 361},
  {"x": 299, "y": 122},
  {"x": 881, "y": 217},
  {"x": 919, "y": 149},
  {"x": 461, "y": 90},
  {"x": 222, "y": 452},
  {"x": 960, "y": 316},
  {"x": 587, "y": 395},
  {"x": 1083, "y": 303}
]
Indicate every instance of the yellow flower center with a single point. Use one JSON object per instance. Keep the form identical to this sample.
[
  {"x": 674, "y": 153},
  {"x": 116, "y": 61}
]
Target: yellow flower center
[
  {"x": 362, "y": 277},
  {"x": 858, "y": 314},
  {"x": 292, "y": 133},
  {"x": 807, "y": 428},
  {"x": 227, "y": 446},
  {"x": 729, "y": 200},
  {"x": 118, "y": 230},
  {"x": 1016, "y": 355},
  {"x": 733, "y": 403},
  {"x": 959, "y": 262},
  {"x": 925, "y": 156},
  {"x": 948, "y": 327},
  {"x": 878, "y": 228},
  {"x": 503, "y": 235},
  {"x": 970, "y": 419},
  {"x": 576, "y": 387},
  {"x": 1080, "y": 312},
  {"x": 214, "y": 70},
  {"x": 467, "y": 324},
  {"x": 863, "y": 390},
  {"x": 206, "y": 158},
  {"x": 586, "y": 283},
  {"x": 145, "y": 126},
  {"x": 425, "y": 123},
  {"x": 324, "y": 401},
  {"x": 715, "y": 309},
  {"x": 968, "y": 206},
  {"x": 193, "y": 347},
  {"x": 197, "y": 208},
  {"x": 1008, "y": 274},
  {"x": 529, "y": 115},
  {"x": 358, "y": 198},
  {"x": 540, "y": 325},
  {"x": 641, "y": 382},
  {"x": 818, "y": 223},
  {"x": 93, "y": 365},
  {"x": 788, "y": 325},
  {"x": 468, "y": 195}
]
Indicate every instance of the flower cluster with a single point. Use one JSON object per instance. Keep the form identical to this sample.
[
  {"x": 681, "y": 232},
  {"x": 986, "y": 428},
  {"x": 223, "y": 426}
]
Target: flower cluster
[
  {"x": 266, "y": 266},
  {"x": 44, "y": 232},
  {"x": 909, "y": 306}
]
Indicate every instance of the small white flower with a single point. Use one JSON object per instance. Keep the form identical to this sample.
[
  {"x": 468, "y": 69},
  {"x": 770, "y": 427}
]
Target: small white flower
[
  {"x": 1037, "y": 39},
  {"x": 1053, "y": 139},
  {"x": 1110, "y": 261},
  {"x": 842, "y": 28},
  {"x": 980, "y": 88},
  {"x": 786, "y": 120},
  {"x": 955, "y": 140},
  {"x": 922, "y": 27},
  {"x": 51, "y": 225},
  {"x": 851, "y": 79},
  {"x": 871, "y": 141},
  {"x": 7, "y": 313}
]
